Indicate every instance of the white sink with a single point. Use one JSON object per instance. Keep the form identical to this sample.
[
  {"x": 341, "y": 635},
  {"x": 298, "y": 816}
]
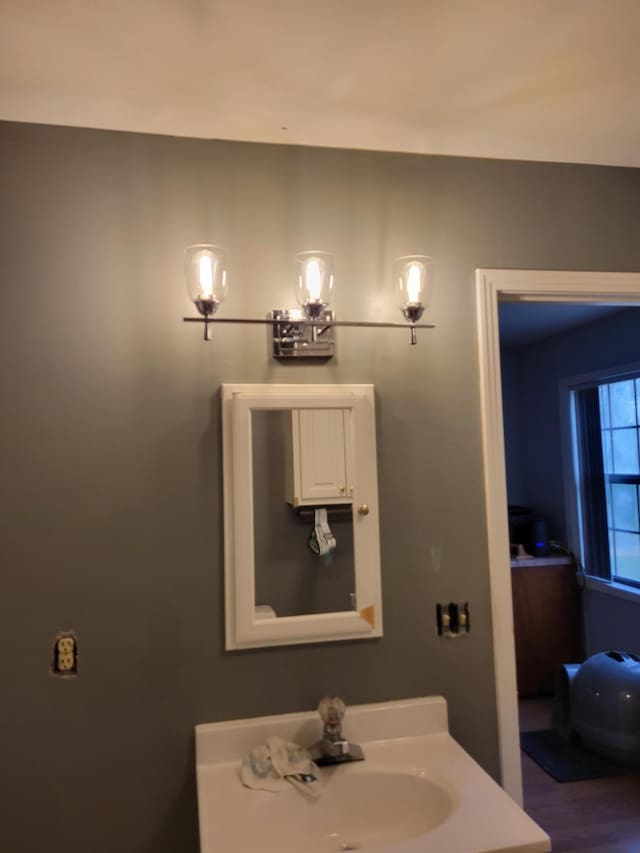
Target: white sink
[
  {"x": 361, "y": 807},
  {"x": 370, "y": 806},
  {"x": 416, "y": 791}
]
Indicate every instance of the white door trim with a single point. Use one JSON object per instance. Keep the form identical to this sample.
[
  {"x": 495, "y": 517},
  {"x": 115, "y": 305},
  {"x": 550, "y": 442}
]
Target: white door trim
[{"x": 493, "y": 285}]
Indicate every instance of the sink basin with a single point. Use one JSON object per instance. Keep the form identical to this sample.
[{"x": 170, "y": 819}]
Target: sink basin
[
  {"x": 417, "y": 790},
  {"x": 369, "y": 807},
  {"x": 361, "y": 808}
]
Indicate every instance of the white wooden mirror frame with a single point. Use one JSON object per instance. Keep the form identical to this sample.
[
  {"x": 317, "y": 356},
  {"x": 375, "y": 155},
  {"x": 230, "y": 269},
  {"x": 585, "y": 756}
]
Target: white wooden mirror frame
[{"x": 243, "y": 630}]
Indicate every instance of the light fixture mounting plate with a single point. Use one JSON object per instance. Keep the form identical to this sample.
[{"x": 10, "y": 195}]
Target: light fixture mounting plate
[{"x": 293, "y": 336}]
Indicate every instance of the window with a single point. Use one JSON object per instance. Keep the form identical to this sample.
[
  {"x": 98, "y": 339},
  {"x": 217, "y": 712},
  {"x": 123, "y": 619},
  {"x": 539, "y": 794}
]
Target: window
[{"x": 607, "y": 458}]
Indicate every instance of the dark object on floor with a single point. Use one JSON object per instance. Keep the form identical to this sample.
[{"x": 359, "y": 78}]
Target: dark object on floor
[{"x": 566, "y": 762}]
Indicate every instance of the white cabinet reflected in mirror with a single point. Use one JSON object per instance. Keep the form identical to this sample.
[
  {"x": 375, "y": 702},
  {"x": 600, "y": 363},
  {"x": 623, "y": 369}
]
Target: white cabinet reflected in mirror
[
  {"x": 320, "y": 468},
  {"x": 302, "y": 555}
]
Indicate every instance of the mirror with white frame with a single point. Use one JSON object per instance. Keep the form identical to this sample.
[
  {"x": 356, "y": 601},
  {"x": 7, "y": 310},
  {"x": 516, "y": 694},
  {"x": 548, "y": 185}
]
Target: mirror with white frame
[{"x": 302, "y": 554}]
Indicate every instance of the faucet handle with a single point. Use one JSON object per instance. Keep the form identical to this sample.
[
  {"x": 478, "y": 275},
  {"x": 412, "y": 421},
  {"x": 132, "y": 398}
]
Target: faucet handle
[{"x": 332, "y": 709}]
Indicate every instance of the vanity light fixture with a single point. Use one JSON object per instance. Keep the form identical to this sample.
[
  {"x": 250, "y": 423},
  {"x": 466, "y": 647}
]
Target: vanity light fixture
[
  {"x": 308, "y": 331},
  {"x": 205, "y": 268},
  {"x": 414, "y": 279}
]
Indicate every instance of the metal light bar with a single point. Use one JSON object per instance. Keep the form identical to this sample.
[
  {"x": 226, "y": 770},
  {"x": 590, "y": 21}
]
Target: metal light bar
[
  {"x": 321, "y": 324},
  {"x": 301, "y": 337}
]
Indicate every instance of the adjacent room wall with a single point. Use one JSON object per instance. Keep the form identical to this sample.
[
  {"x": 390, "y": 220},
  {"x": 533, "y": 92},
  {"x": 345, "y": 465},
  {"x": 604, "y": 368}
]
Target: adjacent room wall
[
  {"x": 531, "y": 402},
  {"x": 112, "y": 493},
  {"x": 610, "y": 622},
  {"x": 532, "y": 418},
  {"x": 514, "y": 429}
]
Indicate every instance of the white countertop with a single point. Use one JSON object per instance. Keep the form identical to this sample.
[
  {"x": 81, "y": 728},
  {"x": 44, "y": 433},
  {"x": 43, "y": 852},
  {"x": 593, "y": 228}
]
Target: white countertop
[
  {"x": 560, "y": 560},
  {"x": 407, "y": 737}
]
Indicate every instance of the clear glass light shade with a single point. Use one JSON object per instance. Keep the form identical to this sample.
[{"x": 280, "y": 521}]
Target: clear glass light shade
[
  {"x": 314, "y": 282},
  {"x": 205, "y": 269},
  {"x": 413, "y": 282}
]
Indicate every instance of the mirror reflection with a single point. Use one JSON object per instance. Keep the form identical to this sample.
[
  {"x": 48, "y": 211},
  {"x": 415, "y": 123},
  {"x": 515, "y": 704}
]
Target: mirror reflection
[{"x": 303, "y": 524}]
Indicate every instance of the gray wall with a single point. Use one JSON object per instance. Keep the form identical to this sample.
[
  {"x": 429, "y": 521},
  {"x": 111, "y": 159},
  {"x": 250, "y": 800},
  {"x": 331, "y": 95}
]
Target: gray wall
[{"x": 111, "y": 481}]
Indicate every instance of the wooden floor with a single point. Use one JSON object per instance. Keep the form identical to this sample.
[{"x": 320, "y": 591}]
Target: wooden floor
[{"x": 594, "y": 816}]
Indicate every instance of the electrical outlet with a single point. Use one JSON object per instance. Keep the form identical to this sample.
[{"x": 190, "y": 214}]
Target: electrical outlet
[
  {"x": 65, "y": 645},
  {"x": 65, "y": 662},
  {"x": 453, "y": 619},
  {"x": 65, "y": 655}
]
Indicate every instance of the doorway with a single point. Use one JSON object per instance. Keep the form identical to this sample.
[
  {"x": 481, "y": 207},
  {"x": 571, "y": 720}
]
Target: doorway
[{"x": 493, "y": 285}]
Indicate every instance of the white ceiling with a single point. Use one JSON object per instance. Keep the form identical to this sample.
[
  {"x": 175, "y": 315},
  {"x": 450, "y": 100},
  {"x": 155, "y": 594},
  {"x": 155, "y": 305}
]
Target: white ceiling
[{"x": 525, "y": 79}]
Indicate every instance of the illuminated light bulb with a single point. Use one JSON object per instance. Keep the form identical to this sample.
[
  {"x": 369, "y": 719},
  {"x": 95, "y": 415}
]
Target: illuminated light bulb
[
  {"x": 206, "y": 277},
  {"x": 414, "y": 283},
  {"x": 313, "y": 279},
  {"x": 314, "y": 282},
  {"x": 205, "y": 268}
]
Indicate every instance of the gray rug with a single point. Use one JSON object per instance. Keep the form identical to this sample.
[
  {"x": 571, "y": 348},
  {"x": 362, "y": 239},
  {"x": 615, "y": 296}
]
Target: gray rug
[{"x": 566, "y": 762}]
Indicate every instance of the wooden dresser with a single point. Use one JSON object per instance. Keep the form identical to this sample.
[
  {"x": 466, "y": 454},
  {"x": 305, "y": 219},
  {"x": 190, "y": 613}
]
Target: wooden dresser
[{"x": 547, "y": 621}]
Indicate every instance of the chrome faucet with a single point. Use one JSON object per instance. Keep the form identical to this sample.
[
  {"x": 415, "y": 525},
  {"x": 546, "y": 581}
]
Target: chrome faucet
[{"x": 333, "y": 747}]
